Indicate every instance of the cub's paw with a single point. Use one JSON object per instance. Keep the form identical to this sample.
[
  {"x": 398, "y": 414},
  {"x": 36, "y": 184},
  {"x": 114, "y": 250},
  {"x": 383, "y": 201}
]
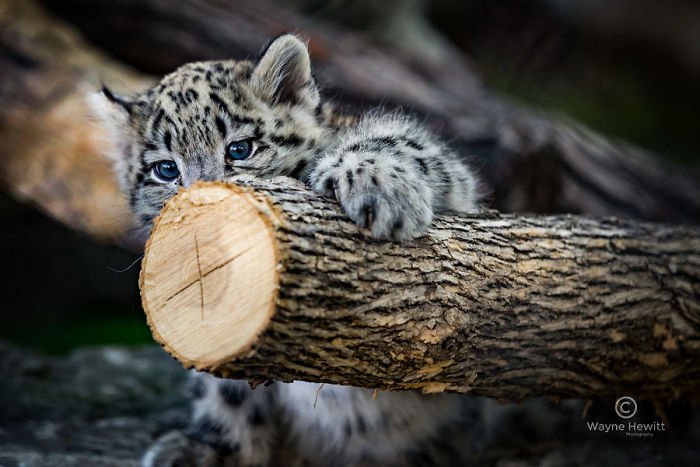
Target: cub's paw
[
  {"x": 175, "y": 449},
  {"x": 378, "y": 193}
]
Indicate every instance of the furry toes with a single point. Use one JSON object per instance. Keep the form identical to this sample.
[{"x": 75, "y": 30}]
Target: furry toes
[{"x": 377, "y": 193}]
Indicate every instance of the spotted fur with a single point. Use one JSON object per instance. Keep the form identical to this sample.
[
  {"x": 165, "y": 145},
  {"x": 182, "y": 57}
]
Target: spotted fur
[{"x": 387, "y": 172}]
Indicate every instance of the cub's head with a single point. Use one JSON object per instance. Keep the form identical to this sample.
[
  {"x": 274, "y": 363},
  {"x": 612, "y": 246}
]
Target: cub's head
[{"x": 212, "y": 121}]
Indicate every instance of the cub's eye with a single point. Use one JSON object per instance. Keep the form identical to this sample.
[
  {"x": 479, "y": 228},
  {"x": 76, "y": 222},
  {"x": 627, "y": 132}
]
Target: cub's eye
[
  {"x": 166, "y": 171},
  {"x": 239, "y": 150}
]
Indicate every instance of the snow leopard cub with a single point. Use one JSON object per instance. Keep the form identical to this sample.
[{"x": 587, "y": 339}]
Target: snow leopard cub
[{"x": 216, "y": 120}]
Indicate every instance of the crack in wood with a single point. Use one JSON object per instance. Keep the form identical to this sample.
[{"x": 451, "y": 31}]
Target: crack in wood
[
  {"x": 201, "y": 278},
  {"x": 203, "y": 275}
]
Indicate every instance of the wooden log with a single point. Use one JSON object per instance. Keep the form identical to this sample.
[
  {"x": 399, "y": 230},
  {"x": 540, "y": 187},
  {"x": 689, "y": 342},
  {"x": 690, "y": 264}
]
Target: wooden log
[{"x": 272, "y": 281}]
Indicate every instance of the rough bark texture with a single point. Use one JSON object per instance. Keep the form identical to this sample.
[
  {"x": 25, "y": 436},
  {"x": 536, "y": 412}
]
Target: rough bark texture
[{"x": 495, "y": 305}]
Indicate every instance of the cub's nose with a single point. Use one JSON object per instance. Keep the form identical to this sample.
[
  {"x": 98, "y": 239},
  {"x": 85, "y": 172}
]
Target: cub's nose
[
  {"x": 209, "y": 177},
  {"x": 202, "y": 174}
]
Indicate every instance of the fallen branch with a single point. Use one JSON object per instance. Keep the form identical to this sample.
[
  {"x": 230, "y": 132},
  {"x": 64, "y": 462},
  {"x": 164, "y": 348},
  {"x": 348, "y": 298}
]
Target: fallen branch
[
  {"x": 53, "y": 149},
  {"x": 532, "y": 161},
  {"x": 273, "y": 282}
]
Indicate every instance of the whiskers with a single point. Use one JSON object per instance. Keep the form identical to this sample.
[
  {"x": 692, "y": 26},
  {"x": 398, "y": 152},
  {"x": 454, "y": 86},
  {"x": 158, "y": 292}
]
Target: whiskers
[{"x": 126, "y": 268}]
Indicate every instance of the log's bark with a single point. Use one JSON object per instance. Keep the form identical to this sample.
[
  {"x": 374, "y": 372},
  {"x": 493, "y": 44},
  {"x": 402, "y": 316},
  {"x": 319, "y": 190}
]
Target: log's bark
[{"x": 275, "y": 282}]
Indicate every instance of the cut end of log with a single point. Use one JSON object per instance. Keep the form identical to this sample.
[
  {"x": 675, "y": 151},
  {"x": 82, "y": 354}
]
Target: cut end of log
[{"x": 209, "y": 278}]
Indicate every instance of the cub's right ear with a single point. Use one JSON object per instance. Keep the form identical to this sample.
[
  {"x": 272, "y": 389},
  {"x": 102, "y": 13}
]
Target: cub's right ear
[
  {"x": 111, "y": 108},
  {"x": 113, "y": 114},
  {"x": 122, "y": 102}
]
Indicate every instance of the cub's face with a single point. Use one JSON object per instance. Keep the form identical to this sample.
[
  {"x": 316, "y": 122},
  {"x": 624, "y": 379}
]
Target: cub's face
[{"x": 213, "y": 121}]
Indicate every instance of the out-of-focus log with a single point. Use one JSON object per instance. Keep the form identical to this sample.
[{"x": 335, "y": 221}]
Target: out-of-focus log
[
  {"x": 52, "y": 150},
  {"x": 275, "y": 283},
  {"x": 532, "y": 161}
]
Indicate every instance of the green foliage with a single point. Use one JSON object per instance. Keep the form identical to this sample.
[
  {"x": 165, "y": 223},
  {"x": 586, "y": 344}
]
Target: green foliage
[
  {"x": 619, "y": 106},
  {"x": 81, "y": 328}
]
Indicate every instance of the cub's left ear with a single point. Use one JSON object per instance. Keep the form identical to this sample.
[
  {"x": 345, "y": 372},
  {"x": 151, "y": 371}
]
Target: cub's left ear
[{"x": 283, "y": 73}]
